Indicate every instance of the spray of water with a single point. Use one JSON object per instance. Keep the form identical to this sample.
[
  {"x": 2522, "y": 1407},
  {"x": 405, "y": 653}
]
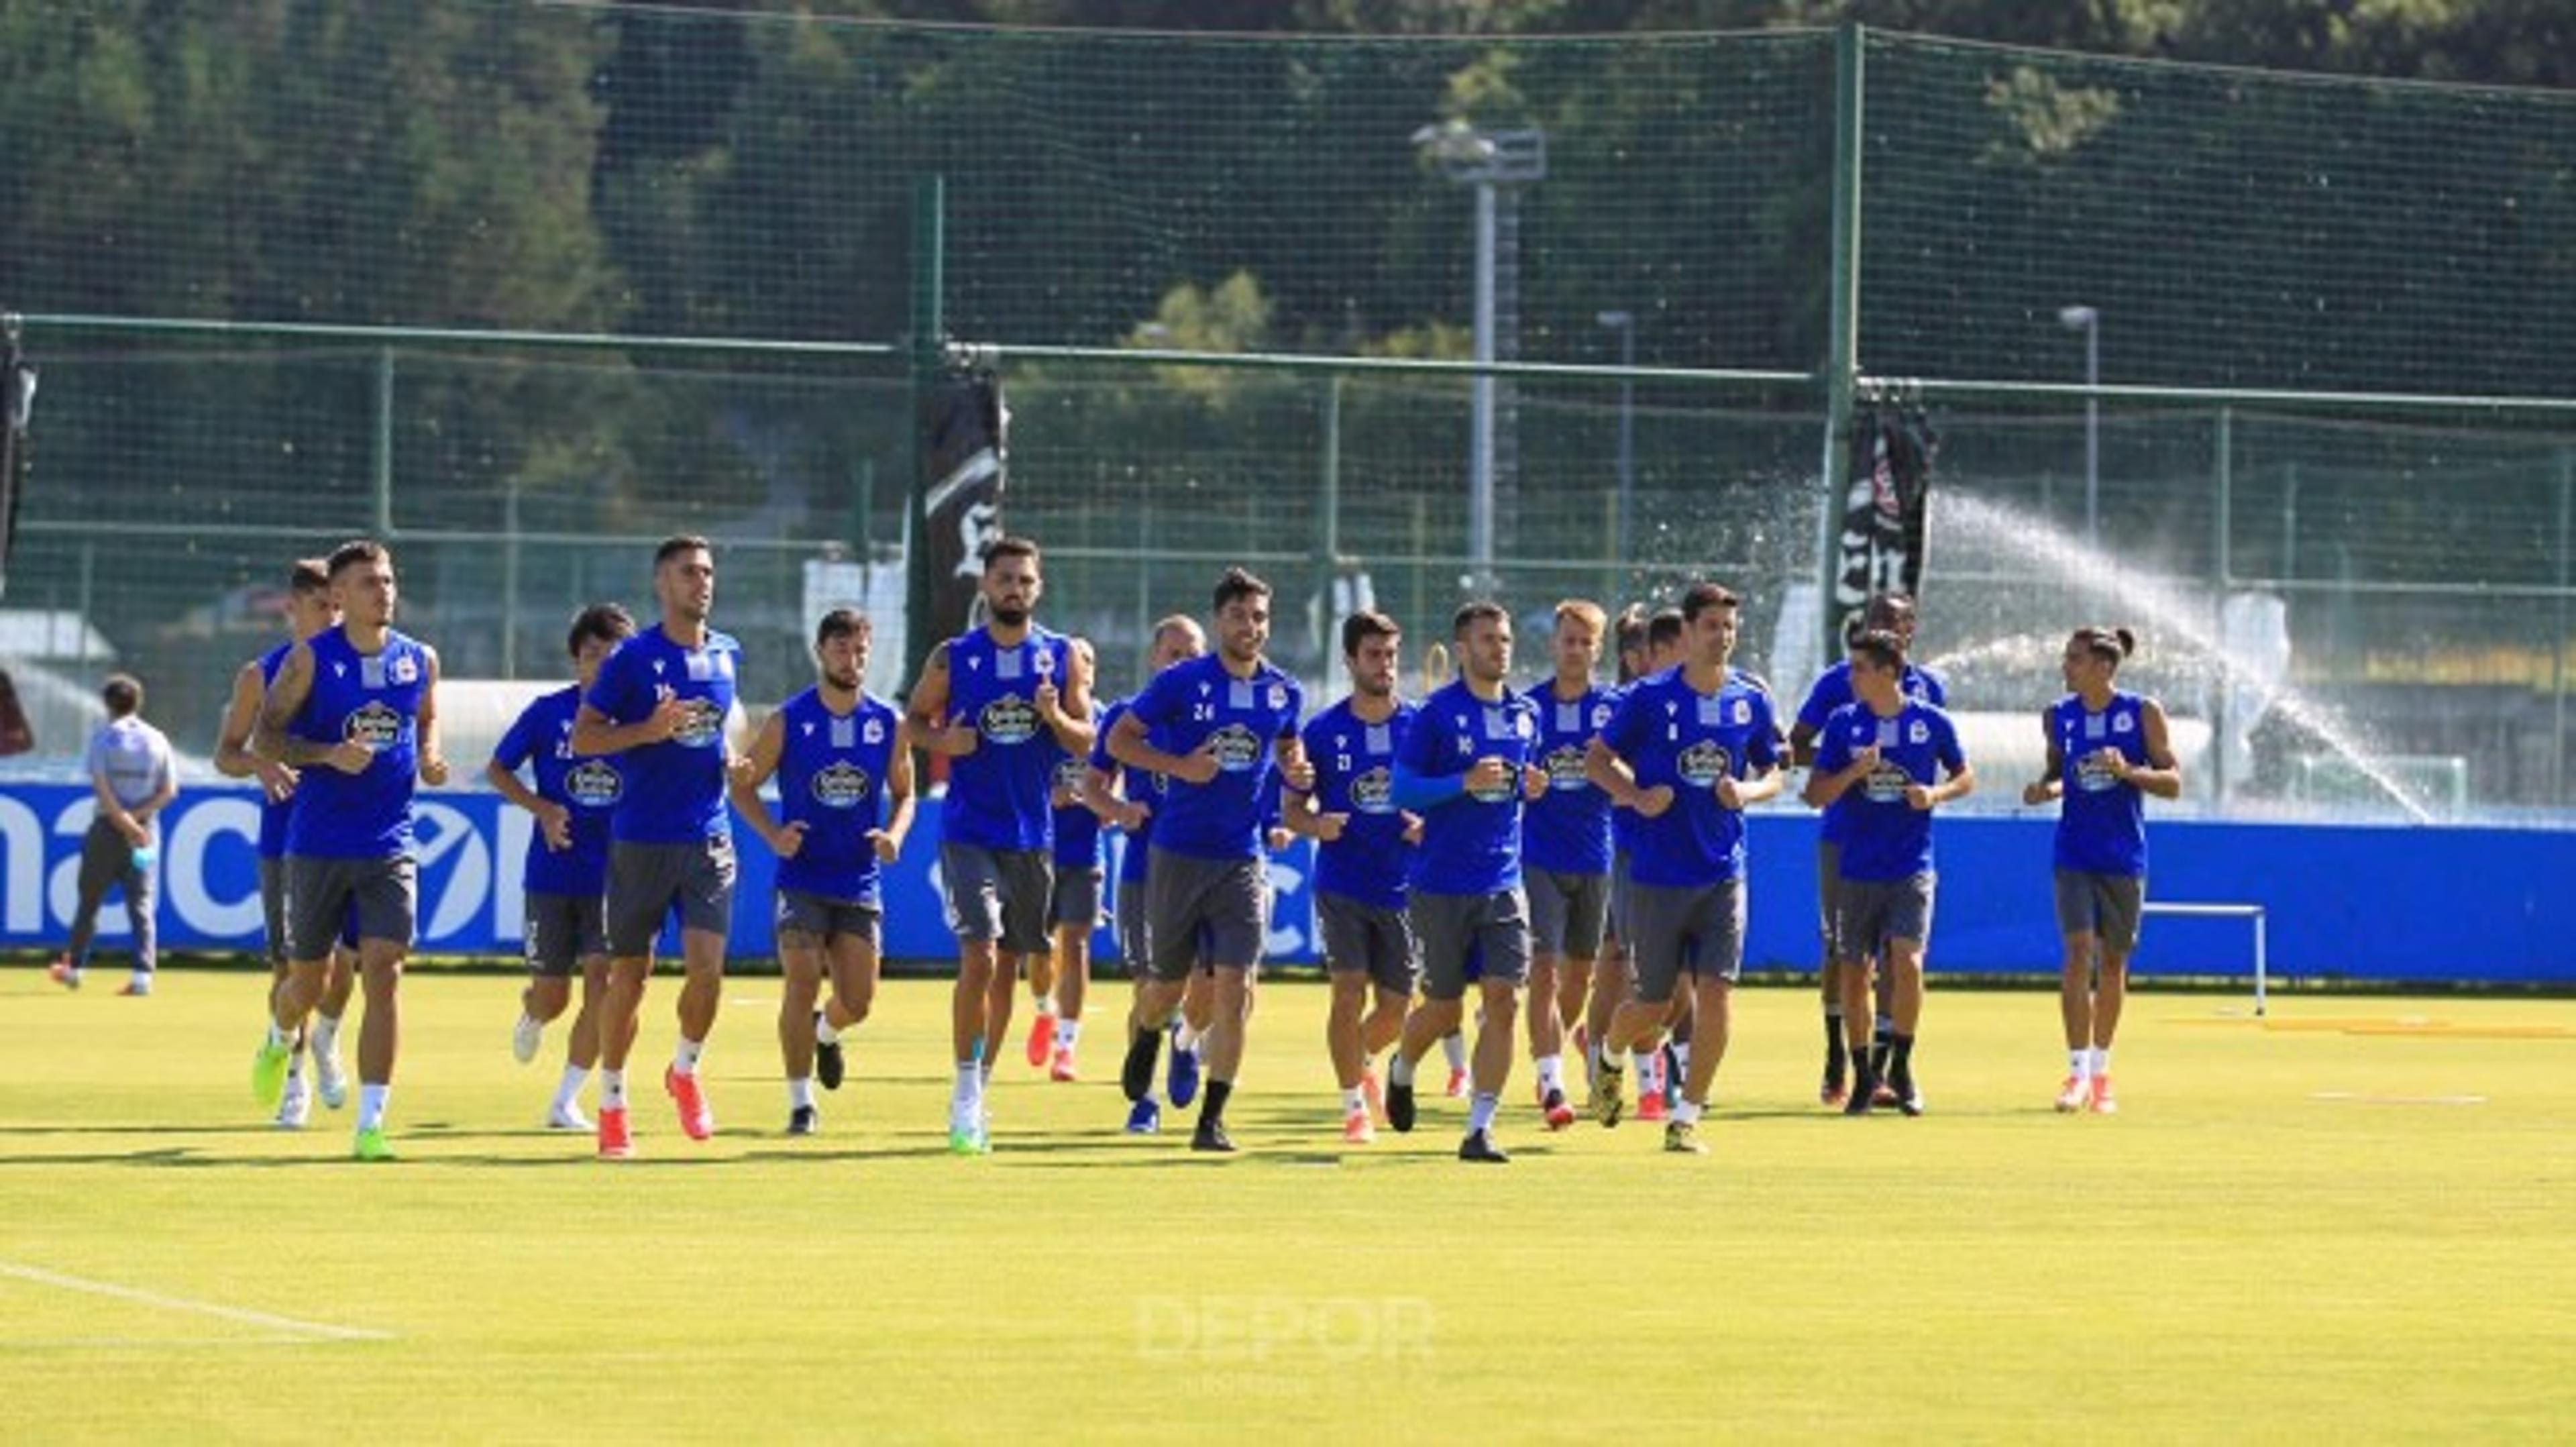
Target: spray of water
[{"x": 2175, "y": 614}]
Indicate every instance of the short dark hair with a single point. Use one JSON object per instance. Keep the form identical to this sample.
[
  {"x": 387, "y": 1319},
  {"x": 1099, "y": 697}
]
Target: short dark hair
[
  {"x": 354, "y": 551},
  {"x": 2108, "y": 644},
  {"x": 1700, "y": 597},
  {"x": 1628, "y": 631},
  {"x": 1238, "y": 584},
  {"x": 1885, "y": 610},
  {"x": 1480, "y": 610},
  {"x": 1011, "y": 546},
  {"x": 307, "y": 576},
  {"x": 122, "y": 693},
  {"x": 1364, "y": 625},
  {"x": 679, "y": 543},
  {"x": 1881, "y": 647},
  {"x": 1664, "y": 627},
  {"x": 604, "y": 621},
  {"x": 840, "y": 623}
]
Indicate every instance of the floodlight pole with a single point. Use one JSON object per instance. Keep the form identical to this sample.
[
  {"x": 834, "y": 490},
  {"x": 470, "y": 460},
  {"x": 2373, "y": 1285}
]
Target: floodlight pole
[
  {"x": 1625, "y": 324},
  {"x": 2088, "y": 320}
]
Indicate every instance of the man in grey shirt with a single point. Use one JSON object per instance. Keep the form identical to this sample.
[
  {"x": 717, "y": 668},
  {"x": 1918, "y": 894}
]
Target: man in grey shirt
[{"x": 130, "y": 769}]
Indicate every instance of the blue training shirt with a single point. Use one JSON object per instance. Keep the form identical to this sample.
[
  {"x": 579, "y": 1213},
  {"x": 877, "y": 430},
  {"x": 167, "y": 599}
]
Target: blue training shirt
[
  {"x": 1137, "y": 786},
  {"x": 1671, "y": 734},
  {"x": 675, "y": 789},
  {"x": 1471, "y": 842},
  {"x": 1567, "y": 829},
  {"x": 374, "y": 699},
  {"x": 1884, "y": 838},
  {"x": 998, "y": 795},
  {"x": 273, "y": 813},
  {"x": 588, "y": 788},
  {"x": 831, "y": 778},
  {"x": 1354, "y": 765},
  {"x": 1197, "y": 700},
  {"x": 2101, "y": 821},
  {"x": 1079, "y": 843},
  {"x": 1832, "y": 690}
]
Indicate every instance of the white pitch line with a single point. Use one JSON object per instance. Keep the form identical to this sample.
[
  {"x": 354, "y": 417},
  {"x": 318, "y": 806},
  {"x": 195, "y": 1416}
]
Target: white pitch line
[
  {"x": 243, "y": 1315},
  {"x": 2363, "y": 1099}
]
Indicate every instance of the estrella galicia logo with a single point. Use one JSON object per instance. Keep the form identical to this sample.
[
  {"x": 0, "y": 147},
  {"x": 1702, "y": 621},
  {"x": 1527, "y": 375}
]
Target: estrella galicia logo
[
  {"x": 1236, "y": 748},
  {"x": 1009, "y": 719},
  {"x": 841, "y": 785},
  {"x": 375, "y": 725},
  {"x": 1374, "y": 792},
  {"x": 1565, "y": 768},
  {"x": 1887, "y": 783},
  {"x": 702, "y": 726},
  {"x": 1703, "y": 764},
  {"x": 594, "y": 784},
  {"x": 2093, "y": 776}
]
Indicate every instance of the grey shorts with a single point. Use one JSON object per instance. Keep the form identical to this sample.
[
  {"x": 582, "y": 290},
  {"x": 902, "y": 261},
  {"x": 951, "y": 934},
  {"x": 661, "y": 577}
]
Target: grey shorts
[
  {"x": 321, "y": 895},
  {"x": 998, "y": 894},
  {"x": 1870, "y": 912},
  {"x": 1617, "y": 926},
  {"x": 1467, "y": 937},
  {"x": 1074, "y": 899},
  {"x": 1699, "y": 928},
  {"x": 272, "y": 910},
  {"x": 1204, "y": 909},
  {"x": 646, "y": 882},
  {"x": 1829, "y": 889},
  {"x": 2107, "y": 905},
  {"x": 1369, "y": 938},
  {"x": 1135, "y": 949},
  {"x": 564, "y": 930},
  {"x": 801, "y": 911},
  {"x": 1568, "y": 913}
]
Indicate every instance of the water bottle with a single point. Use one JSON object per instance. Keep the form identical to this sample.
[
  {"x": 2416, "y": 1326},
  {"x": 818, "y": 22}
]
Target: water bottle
[{"x": 144, "y": 854}]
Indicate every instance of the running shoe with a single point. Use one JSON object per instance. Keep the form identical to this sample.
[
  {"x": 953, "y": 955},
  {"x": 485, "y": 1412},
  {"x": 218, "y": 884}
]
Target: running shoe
[
  {"x": 63, "y": 972},
  {"x": 372, "y": 1145},
  {"x": 1211, "y": 1136},
  {"x": 136, "y": 985},
  {"x": 566, "y": 1116},
  {"x": 268, "y": 1072},
  {"x": 614, "y": 1142},
  {"x": 804, "y": 1120},
  {"x": 1061, "y": 1069},
  {"x": 2103, "y": 1101},
  {"x": 1457, "y": 1087},
  {"x": 1399, "y": 1104},
  {"x": 2075, "y": 1094},
  {"x": 1609, "y": 1096},
  {"x": 330, "y": 1077},
  {"x": 296, "y": 1107},
  {"x": 697, "y": 1119},
  {"x": 525, "y": 1037},
  {"x": 1041, "y": 1039},
  {"x": 1651, "y": 1106},
  {"x": 1357, "y": 1129},
  {"x": 1479, "y": 1146},
  {"x": 1373, "y": 1093},
  {"x": 1559, "y": 1114},
  {"x": 1909, "y": 1098},
  {"x": 1182, "y": 1085},
  {"x": 1145, "y": 1117},
  {"x": 829, "y": 1063},
  {"x": 1682, "y": 1138}
]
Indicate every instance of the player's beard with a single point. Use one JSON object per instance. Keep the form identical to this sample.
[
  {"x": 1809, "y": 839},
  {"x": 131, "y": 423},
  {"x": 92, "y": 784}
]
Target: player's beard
[
  {"x": 1010, "y": 616},
  {"x": 839, "y": 684}
]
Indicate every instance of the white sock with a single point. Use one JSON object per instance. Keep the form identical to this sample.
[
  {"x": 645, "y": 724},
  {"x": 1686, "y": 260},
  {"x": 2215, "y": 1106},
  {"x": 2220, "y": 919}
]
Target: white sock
[
  {"x": 371, "y": 1105},
  {"x": 1551, "y": 1073},
  {"x": 970, "y": 1085},
  {"x": 685, "y": 1061},
  {"x": 1681, "y": 1058},
  {"x": 612, "y": 1090},
  {"x": 2079, "y": 1062},
  {"x": 824, "y": 1034},
  {"x": 2102, "y": 1060},
  {"x": 1480, "y": 1111},
  {"x": 1186, "y": 1039},
  {"x": 1650, "y": 1069},
  {"x": 1045, "y": 1005},
  {"x": 1067, "y": 1030},
  {"x": 1453, "y": 1046},
  {"x": 800, "y": 1092},
  {"x": 568, "y": 1089},
  {"x": 1399, "y": 1071},
  {"x": 1686, "y": 1111},
  {"x": 326, "y": 1034},
  {"x": 1353, "y": 1102},
  {"x": 280, "y": 1037}
]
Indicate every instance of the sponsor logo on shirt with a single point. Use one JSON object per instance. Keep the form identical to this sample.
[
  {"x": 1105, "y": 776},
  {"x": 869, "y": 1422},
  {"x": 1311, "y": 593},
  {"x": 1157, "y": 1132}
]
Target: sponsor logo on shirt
[
  {"x": 375, "y": 725},
  {"x": 841, "y": 786},
  {"x": 1374, "y": 792},
  {"x": 1565, "y": 769},
  {"x": 1703, "y": 764},
  {"x": 1237, "y": 748},
  {"x": 702, "y": 726},
  {"x": 1009, "y": 719},
  {"x": 1886, "y": 784},
  {"x": 594, "y": 784}
]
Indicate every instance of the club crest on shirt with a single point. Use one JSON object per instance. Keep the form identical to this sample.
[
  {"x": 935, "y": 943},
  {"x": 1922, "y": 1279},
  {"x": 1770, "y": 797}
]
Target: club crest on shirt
[
  {"x": 1237, "y": 749},
  {"x": 594, "y": 784},
  {"x": 1918, "y": 732},
  {"x": 841, "y": 785},
  {"x": 1009, "y": 719},
  {"x": 376, "y": 725},
  {"x": 2121, "y": 723},
  {"x": 406, "y": 669},
  {"x": 701, "y": 724},
  {"x": 1703, "y": 764}
]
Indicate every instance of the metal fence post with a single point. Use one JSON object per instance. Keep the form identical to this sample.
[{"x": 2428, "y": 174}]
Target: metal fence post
[{"x": 1842, "y": 334}]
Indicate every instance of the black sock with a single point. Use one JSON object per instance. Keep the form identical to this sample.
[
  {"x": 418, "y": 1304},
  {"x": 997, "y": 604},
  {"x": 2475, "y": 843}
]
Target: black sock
[
  {"x": 1212, "y": 1109},
  {"x": 1878, "y": 1049},
  {"x": 1901, "y": 1057},
  {"x": 1835, "y": 1060}
]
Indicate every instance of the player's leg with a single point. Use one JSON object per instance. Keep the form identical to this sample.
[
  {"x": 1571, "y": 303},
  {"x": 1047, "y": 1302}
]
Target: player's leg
[
  {"x": 380, "y": 966},
  {"x": 800, "y": 964},
  {"x": 2122, "y": 902},
  {"x": 104, "y": 859},
  {"x": 139, "y": 924},
  {"x": 1072, "y": 983},
  {"x": 1834, "y": 1088}
]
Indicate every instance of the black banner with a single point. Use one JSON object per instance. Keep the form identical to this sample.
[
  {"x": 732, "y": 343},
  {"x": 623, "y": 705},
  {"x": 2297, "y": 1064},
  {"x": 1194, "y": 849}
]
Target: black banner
[
  {"x": 1892, "y": 449},
  {"x": 17, "y": 402},
  {"x": 963, "y": 473}
]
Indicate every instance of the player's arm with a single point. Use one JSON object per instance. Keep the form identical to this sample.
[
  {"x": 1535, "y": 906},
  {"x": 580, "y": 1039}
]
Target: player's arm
[
  {"x": 2163, "y": 775},
  {"x": 110, "y": 809},
  {"x": 900, "y": 792},
  {"x": 1132, "y": 744},
  {"x": 1609, "y": 773},
  {"x": 1802, "y": 743},
  {"x": 927, "y": 711},
  {"x": 433, "y": 755},
  {"x": 759, "y": 762},
  {"x": 1828, "y": 779},
  {"x": 287, "y": 695},
  {"x": 233, "y": 758},
  {"x": 2052, "y": 780},
  {"x": 1071, "y": 722},
  {"x": 1958, "y": 781}
]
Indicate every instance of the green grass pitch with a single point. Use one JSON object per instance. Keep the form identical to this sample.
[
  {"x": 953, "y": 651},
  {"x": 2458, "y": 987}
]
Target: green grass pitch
[{"x": 2350, "y": 1221}]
